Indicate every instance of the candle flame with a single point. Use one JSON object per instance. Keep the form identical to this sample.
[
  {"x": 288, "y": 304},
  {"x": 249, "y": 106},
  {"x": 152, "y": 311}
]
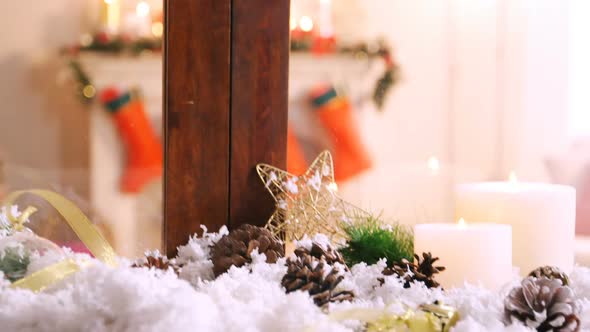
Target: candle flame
[
  {"x": 109, "y": 2},
  {"x": 306, "y": 23},
  {"x": 433, "y": 164},
  {"x": 512, "y": 177},
  {"x": 461, "y": 222}
]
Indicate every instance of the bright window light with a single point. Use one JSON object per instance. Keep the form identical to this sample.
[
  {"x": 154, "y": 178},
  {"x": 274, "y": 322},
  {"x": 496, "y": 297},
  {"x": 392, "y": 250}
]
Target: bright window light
[{"x": 579, "y": 69}]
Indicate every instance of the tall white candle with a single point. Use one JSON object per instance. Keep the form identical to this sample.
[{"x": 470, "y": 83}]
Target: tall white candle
[
  {"x": 325, "y": 19},
  {"x": 472, "y": 252},
  {"x": 111, "y": 12},
  {"x": 293, "y": 17},
  {"x": 542, "y": 217},
  {"x": 144, "y": 19}
]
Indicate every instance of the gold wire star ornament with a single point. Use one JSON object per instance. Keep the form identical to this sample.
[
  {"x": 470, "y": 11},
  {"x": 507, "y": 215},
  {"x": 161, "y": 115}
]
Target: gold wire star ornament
[{"x": 307, "y": 204}]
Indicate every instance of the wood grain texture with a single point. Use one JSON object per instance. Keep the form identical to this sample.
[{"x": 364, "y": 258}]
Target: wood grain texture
[
  {"x": 225, "y": 108},
  {"x": 196, "y": 117},
  {"x": 259, "y": 87}
]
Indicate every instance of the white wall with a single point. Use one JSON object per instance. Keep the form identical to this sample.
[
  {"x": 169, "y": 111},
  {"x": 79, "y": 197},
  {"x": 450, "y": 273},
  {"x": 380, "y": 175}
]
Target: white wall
[
  {"x": 484, "y": 90},
  {"x": 536, "y": 120},
  {"x": 579, "y": 71},
  {"x": 478, "y": 77},
  {"x": 29, "y": 129},
  {"x": 415, "y": 122},
  {"x": 37, "y": 115}
]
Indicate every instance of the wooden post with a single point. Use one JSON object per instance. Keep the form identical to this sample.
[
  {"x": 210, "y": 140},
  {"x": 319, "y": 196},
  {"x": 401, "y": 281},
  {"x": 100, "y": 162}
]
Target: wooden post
[
  {"x": 225, "y": 110},
  {"x": 259, "y": 84}
]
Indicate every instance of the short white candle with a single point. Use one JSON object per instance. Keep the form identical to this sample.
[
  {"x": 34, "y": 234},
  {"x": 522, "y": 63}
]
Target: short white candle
[
  {"x": 542, "y": 217},
  {"x": 477, "y": 253}
]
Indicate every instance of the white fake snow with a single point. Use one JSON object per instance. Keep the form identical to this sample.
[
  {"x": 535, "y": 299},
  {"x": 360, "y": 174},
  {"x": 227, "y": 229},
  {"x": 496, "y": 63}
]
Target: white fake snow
[{"x": 101, "y": 298}]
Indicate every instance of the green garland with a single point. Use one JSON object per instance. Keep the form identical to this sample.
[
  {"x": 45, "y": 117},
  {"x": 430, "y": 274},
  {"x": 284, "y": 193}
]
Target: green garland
[
  {"x": 370, "y": 240},
  {"x": 379, "y": 50},
  {"x": 84, "y": 89},
  {"x": 384, "y": 84},
  {"x": 118, "y": 45},
  {"x": 102, "y": 43}
]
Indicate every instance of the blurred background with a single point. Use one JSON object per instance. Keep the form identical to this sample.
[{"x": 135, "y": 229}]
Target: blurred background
[{"x": 412, "y": 97}]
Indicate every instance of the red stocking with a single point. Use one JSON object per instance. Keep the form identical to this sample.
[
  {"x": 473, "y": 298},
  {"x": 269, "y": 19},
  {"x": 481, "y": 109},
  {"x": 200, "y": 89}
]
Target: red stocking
[
  {"x": 144, "y": 149},
  {"x": 295, "y": 158},
  {"x": 335, "y": 114}
]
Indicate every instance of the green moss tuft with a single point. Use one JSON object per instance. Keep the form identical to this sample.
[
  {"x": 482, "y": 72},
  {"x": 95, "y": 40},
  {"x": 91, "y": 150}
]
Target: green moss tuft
[{"x": 371, "y": 239}]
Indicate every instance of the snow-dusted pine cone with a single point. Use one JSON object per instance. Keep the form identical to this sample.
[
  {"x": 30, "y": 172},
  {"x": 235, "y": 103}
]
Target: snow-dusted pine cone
[
  {"x": 157, "y": 261},
  {"x": 420, "y": 270},
  {"x": 542, "y": 304},
  {"x": 236, "y": 248},
  {"x": 329, "y": 254},
  {"x": 551, "y": 272},
  {"x": 308, "y": 273}
]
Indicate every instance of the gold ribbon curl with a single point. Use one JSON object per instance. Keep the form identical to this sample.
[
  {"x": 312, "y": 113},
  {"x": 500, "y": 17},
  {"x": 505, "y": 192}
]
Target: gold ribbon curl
[
  {"x": 428, "y": 318},
  {"x": 80, "y": 224}
]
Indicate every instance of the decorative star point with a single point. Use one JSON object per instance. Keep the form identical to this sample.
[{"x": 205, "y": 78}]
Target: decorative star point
[{"x": 306, "y": 204}]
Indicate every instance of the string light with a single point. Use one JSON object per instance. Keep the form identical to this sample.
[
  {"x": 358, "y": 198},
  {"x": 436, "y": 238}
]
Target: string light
[
  {"x": 142, "y": 9},
  {"x": 86, "y": 40},
  {"x": 306, "y": 23},
  {"x": 89, "y": 91},
  {"x": 157, "y": 29}
]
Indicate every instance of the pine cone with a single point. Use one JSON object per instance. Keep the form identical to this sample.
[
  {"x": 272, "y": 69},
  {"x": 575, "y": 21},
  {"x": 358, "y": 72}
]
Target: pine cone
[
  {"x": 543, "y": 304},
  {"x": 551, "y": 272},
  {"x": 329, "y": 255},
  {"x": 422, "y": 270},
  {"x": 308, "y": 273},
  {"x": 157, "y": 261},
  {"x": 236, "y": 248}
]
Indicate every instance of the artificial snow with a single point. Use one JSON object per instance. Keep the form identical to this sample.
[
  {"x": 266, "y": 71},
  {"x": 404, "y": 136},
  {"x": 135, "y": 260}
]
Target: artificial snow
[{"x": 250, "y": 298}]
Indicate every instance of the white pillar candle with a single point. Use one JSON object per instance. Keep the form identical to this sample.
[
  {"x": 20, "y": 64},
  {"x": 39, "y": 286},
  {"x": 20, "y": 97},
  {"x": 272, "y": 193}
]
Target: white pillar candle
[
  {"x": 472, "y": 252},
  {"x": 542, "y": 216}
]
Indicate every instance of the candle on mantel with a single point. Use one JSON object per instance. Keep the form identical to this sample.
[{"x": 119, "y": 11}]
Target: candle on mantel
[
  {"x": 326, "y": 29},
  {"x": 293, "y": 16},
  {"x": 110, "y": 15},
  {"x": 143, "y": 12},
  {"x": 324, "y": 42},
  {"x": 542, "y": 217},
  {"x": 471, "y": 252},
  {"x": 139, "y": 23}
]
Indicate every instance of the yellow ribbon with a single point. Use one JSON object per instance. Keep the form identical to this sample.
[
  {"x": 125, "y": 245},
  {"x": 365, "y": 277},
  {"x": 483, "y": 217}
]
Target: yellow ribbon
[
  {"x": 43, "y": 278},
  {"x": 18, "y": 223},
  {"x": 79, "y": 223}
]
